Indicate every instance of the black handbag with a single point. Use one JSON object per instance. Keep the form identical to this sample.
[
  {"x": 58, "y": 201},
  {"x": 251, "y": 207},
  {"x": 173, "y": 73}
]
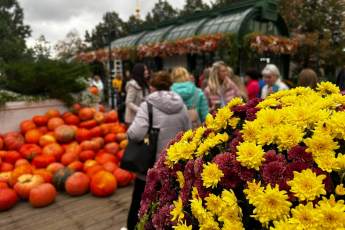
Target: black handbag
[{"x": 140, "y": 156}]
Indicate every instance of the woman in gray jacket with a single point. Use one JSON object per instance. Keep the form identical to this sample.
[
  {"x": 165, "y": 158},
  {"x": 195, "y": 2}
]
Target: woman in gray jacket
[
  {"x": 169, "y": 115},
  {"x": 137, "y": 90}
]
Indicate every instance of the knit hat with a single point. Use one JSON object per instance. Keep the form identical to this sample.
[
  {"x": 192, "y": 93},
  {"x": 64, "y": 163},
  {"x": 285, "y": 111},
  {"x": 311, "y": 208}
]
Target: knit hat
[{"x": 161, "y": 80}]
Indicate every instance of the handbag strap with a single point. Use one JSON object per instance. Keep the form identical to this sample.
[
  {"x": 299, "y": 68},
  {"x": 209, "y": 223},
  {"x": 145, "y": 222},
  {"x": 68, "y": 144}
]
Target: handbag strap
[{"x": 150, "y": 111}]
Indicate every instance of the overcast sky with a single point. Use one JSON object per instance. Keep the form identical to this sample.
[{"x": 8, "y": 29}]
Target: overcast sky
[{"x": 55, "y": 18}]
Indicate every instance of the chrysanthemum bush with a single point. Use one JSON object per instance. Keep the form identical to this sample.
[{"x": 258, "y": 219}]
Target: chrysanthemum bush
[{"x": 272, "y": 164}]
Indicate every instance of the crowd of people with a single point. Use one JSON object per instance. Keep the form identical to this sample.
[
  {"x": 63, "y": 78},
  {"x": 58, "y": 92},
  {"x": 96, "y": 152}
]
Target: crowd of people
[{"x": 180, "y": 104}]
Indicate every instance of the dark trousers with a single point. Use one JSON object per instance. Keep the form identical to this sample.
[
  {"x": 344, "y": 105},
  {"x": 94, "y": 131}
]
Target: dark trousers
[{"x": 132, "y": 219}]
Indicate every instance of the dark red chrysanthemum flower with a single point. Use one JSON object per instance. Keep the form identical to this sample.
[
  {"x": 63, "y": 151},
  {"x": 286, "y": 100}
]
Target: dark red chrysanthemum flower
[{"x": 298, "y": 153}]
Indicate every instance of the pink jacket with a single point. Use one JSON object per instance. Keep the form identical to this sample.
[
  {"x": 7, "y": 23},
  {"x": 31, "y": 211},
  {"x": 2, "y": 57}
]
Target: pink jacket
[{"x": 227, "y": 92}]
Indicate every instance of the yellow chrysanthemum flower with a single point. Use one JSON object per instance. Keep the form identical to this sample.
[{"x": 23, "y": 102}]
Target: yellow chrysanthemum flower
[
  {"x": 234, "y": 102},
  {"x": 177, "y": 213},
  {"x": 211, "y": 142},
  {"x": 221, "y": 120},
  {"x": 320, "y": 144},
  {"x": 233, "y": 225},
  {"x": 267, "y": 136},
  {"x": 332, "y": 213},
  {"x": 289, "y": 136},
  {"x": 268, "y": 117},
  {"x": 305, "y": 217},
  {"x": 327, "y": 162},
  {"x": 340, "y": 190},
  {"x": 180, "y": 179},
  {"x": 183, "y": 226},
  {"x": 250, "y": 155},
  {"x": 211, "y": 175},
  {"x": 271, "y": 205},
  {"x": 269, "y": 102},
  {"x": 214, "y": 204},
  {"x": 283, "y": 225},
  {"x": 326, "y": 88},
  {"x": 306, "y": 185},
  {"x": 253, "y": 191},
  {"x": 250, "y": 131}
]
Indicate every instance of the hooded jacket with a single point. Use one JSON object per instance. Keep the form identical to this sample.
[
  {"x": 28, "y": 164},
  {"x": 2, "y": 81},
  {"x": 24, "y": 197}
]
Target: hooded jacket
[
  {"x": 169, "y": 115},
  {"x": 134, "y": 97},
  {"x": 192, "y": 97}
]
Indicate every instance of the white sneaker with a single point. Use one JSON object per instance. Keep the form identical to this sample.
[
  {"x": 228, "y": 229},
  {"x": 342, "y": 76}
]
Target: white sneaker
[{"x": 123, "y": 228}]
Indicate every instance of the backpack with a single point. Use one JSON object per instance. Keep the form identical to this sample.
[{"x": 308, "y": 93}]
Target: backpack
[{"x": 193, "y": 113}]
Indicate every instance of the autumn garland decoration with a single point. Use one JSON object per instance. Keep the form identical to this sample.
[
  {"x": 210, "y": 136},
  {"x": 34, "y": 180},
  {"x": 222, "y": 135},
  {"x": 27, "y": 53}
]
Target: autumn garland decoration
[{"x": 277, "y": 163}]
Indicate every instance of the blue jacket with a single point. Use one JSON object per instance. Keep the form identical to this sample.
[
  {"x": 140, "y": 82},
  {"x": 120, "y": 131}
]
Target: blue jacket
[{"x": 187, "y": 90}]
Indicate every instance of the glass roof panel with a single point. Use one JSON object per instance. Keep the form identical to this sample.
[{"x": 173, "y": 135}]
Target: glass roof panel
[
  {"x": 185, "y": 30},
  {"x": 127, "y": 41}
]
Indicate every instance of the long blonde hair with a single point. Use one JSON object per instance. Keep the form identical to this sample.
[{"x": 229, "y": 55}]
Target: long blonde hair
[
  {"x": 213, "y": 81},
  {"x": 180, "y": 74}
]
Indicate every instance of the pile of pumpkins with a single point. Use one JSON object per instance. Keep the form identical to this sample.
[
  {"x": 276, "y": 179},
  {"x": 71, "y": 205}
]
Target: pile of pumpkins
[{"x": 76, "y": 152}]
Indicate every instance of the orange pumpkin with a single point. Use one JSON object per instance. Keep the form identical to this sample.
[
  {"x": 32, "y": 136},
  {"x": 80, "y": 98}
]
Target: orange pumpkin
[
  {"x": 5, "y": 177},
  {"x": 99, "y": 141},
  {"x": 13, "y": 140},
  {"x": 122, "y": 176},
  {"x": 43, "y": 129},
  {"x": 88, "y": 124},
  {"x": 3, "y": 185},
  {"x": 20, "y": 170},
  {"x": 89, "y": 145},
  {"x": 68, "y": 158},
  {"x": 103, "y": 184},
  {"x": 55, "y": 122},
  {"x": 42, "y": 161},
  {"x": 123, "y": 144},
  {"x": 26, "y": 183},
  {"x": 21, "y": 162},
  {"x": 110, "y": 137},
  {"x": 86, "y": 155},
  {"x": 89, "y": 164},
  {"x": 54, "y": 167},
  {"x": 75, "y": 108},
  {"x": 1, "y": 143},
  {"x": 77, "y": 166},
  {"x": 96, "y": 131},
  {"x": 40, "y": 120},
  {"x": 27, "y": 125},
  {"x": 112, "y": 148},
  {"x": 117, "y": 128},
  {"x": 102, "y": 158},
  {"x": 8, "y": 198},
  {"x": 119, "y": 154},
  {"x": 111, "y": 117},
  {"x": 11, "y": 157},
  {"x": 29, "y": 151},
  {"x": 33, "y": 136},
  {"x": 99, "y": 117},
  {"x": 42, "y": 195},
  {"x": 83, "y": 135},
  {"x": 93, "y": 90},
  {"x": 72, "y": 120},
  {"x": 91, "y": 171},
  {"x": 120, "y": 137},
  {"x": 53, "y": 149},
  {"x": 86, "y": 114},
  {"x": 45, "y": 174},
  {"x": 110, "y": 166},
  {"x": 101, "y": 108},
  {"x": 6, "y": 167},
  {"x": 73, "y": 147},
  {"x": 46, "y": 140},
  {"x": 64, "y": 133},
  {"x": 77, "y": 184},
  {"x": 53, "y": 113}
]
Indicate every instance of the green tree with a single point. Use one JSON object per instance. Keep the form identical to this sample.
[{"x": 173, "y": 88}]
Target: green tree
[
  {"x": 111, "y": 27},
  {"x": 162, "y": 11},
  {"x": 12, "y": 30},
  {"x": 69, "y": 46},
  {"x": 193, "y": 5},
  {"x": 133, "y": 24},
  {"x": 41, "y": 48},
  {"x": 222, "y": 3}
]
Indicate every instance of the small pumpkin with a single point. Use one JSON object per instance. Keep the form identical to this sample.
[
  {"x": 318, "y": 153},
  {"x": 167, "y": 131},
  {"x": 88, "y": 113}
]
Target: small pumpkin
[
  {"x": 54, "y": 149},
  {"x": 53, "y": 113},
  {"x": 42, "y": 161},
  {"x": 54, "y": 167},
  {"x": 46, "y": 140},
  {"x": 86, "y": 155},
  {"x": 77, "y": 166},
  {"x": 123, "y": 177},
  {"x": 45, "y": 174},
  {"x": 112, "y": 148},
  {"x": 99, "y": 117},
  {"x": 64, "y": 133},
  {"x": 88, "y": 124},
  {"x": 103, "y": 184},
  {"x": 29, "y": 151},
  {"x": 83, "y": 135},
  {"x": 42, "y": 195},
  {"x": 19, "y": 171},
  {"x": 13, "y": 140},
  {"x": 55, "y": 122},
  {"x": 68, "y": 158},
  {"x": 111, "y": 117},
  {"x": 77, "y": 184},
  {"x": 96, "y": 131},
  {"x": 40, "y": 120},
  {"x": 86, "y": 114},
  {"x": 1, "y": 143},
  {"x": 6, "y": 167},
  {"x": 8, "y": 198},
  {"x": 60, "y": 177},
  {"x": 27, "y": 125},
  {"x": 11, "y": 157},
  {"x": 102, "y": 158},
  {"x": 72, "y": 120},
  {"x": 110, "y": 137},
  {"x": 26, "y": 183}
]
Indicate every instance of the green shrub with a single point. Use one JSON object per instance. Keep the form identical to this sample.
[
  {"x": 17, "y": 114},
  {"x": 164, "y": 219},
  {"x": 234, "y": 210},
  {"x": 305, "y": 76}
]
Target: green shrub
[{"x": 49, "y": 78}]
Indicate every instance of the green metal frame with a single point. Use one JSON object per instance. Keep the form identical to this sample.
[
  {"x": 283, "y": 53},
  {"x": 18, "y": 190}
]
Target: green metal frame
[{"x": 128, "y": 41}]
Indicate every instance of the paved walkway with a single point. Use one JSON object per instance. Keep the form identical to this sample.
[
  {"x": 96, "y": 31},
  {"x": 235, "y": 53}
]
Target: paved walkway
[{"x": 71, "y": 213}]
